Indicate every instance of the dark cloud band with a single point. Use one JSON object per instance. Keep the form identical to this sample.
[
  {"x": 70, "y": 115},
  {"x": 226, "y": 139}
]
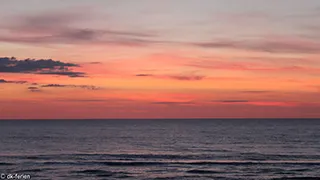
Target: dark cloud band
[{"x": 40, "y": 66}]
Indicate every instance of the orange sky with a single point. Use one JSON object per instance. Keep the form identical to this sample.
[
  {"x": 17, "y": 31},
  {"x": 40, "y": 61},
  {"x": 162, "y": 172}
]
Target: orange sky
[{"x": 121, "y": 60}]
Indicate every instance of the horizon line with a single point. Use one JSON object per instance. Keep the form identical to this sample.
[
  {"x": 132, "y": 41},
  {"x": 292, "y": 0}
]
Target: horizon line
[{"x": 106, "y": 119}]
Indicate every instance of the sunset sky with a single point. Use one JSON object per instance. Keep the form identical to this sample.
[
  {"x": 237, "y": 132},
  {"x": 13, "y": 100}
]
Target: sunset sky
[{"x": 159, "y": 59}]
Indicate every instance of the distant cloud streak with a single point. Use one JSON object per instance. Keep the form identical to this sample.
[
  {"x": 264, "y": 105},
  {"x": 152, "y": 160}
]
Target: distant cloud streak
[
  {"x": 175, "y": 77},
  {"x": 34, "y": 89},
  {"x": 232, "y": 101},
  {"x": 255, "y": 103},
  {"x": 270, "y": 44},
  {"x": 187, "y": 78},
  {"x": 170, "y": 103},
  {"x": 144, "y": 75},
  {"x": 88, "y": 87},
  {"x": 12, "y": 82},
  {"x": 59, "y": 28},
  {"x": 250, "y": 66}
]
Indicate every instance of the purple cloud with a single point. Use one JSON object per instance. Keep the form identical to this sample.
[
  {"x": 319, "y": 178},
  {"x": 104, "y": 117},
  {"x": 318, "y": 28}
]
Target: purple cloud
[
  {"x": 60, "y": 28},
  {"x": 270, "y": 44}
]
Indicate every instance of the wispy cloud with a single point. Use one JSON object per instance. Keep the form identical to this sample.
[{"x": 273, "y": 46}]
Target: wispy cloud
[
  {"x": 187, "y": 78},
  {"x": 233, "y": 101},
  {"x": 144, "y": 75},
  {"x": 171, "y": 103},
  {"x": 34, "y": 89},
  {"x": 86, "y": 100},
  {"x": 60, "y": 28},
  {"x": 12, "y": 82},
  {"x": 95, "y": 100},
  {"x": 65, "y": 73},
  {"x": 175, "y": 77},
  {"x": 95, "y": 63},
  {"x": 38, "y": 66},
  {"x": 89, "y": 87},
  {"x": 255, "y": 103},
  {"x": 250, "y": 66},
  {"x": 255, "y": 92},
  {"x": 268, "y": 44}
]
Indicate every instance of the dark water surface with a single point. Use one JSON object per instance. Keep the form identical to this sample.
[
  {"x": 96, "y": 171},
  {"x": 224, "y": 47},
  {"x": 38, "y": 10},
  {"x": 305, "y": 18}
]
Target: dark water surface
[{"x": 161, "y": 149}]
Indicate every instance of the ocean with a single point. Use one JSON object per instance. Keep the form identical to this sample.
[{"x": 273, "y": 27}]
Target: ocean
[{"x": 222, "y": 149}]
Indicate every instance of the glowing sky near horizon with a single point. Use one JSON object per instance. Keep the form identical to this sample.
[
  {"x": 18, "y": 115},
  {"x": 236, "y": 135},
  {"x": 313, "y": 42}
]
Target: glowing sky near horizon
[{"x": 159, "y": 59}]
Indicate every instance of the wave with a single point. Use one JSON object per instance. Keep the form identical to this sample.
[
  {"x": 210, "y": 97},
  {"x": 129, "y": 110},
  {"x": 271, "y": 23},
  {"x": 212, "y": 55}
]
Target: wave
[
  {"x": 102, "y": 173},
  {"x": 33, "y": 170},
  {"x": 132, "y": 163},
  {"x": 187, "y": 177},
  {"x": 297, "y": 178},
  {"x": 261, "y": 156},
  {"x": 108, "y": 156},
  {"x": 6, "y": 164},
  {"x": 198, "y": 171},
  {"x": 250, "y": 162},
  {"x": 102, "y": 156},
  {"x": 154, "y": 156},
  {"x": 166, "y": 163},
  {"x": 99, "y": 173}
]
